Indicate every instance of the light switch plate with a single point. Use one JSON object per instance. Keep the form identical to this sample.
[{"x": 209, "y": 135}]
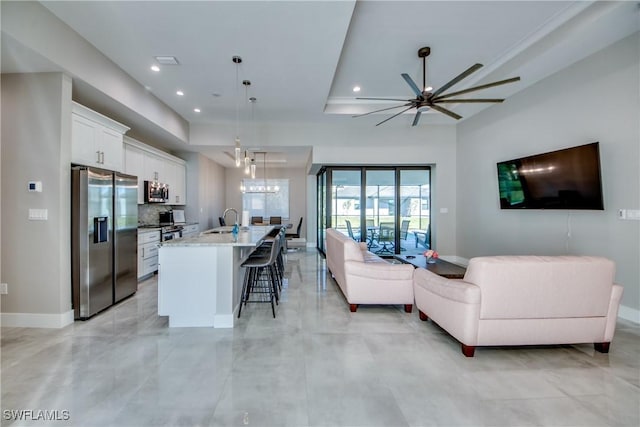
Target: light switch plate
[
  {"x": 38, "y": 214},
  {"x": 629, "y": 214}
]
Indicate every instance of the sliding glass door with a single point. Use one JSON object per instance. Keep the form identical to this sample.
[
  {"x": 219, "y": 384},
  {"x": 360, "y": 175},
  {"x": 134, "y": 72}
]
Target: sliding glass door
[
  {"x": 389, "y": 208},
  {"x": 415, "y": 211},
  {"x": 381, "y": 210}
]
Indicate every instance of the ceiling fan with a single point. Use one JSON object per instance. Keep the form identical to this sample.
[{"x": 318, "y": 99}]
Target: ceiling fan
[{"x": 426, "y": 99}]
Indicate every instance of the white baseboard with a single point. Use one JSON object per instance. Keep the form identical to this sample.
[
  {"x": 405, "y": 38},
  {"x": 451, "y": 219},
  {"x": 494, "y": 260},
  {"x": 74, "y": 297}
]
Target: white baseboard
[
  {"x": 223, "y": 321},
  {"x": 628, "y": 313},
  {"x": 36, "y": 320}
]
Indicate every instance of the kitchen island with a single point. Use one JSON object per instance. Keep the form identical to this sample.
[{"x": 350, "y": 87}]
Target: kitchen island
[{"x": 200, "y": 277}]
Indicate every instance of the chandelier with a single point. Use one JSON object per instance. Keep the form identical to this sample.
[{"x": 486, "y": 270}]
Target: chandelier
[{"x": 259, "y": 187}]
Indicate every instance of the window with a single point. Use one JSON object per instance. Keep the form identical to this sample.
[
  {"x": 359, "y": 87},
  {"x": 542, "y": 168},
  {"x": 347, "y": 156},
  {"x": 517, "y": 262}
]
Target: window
[{"x": 267, "y": 200}]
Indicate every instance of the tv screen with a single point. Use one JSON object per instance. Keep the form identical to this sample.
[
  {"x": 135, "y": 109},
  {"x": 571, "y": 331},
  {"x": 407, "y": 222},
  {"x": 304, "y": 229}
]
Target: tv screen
[{"x": 563, "y": 179}]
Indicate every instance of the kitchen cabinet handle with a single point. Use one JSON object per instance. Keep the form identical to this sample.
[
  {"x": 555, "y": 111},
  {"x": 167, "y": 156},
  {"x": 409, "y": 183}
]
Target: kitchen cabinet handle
[
  {"x": 98, "y": 157},
  {"x": 143, "y": 252},
  {"x": 102, "y": 157}
]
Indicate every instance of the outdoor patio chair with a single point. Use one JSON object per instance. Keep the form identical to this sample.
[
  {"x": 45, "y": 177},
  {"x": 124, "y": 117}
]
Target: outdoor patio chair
[{"x": 423, "y": 238}]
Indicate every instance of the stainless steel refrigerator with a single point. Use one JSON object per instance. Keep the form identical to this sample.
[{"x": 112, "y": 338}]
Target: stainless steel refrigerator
[{"x": 104, "y": 221}]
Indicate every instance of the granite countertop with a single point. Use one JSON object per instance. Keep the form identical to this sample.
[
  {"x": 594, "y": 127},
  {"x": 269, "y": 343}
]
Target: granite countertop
[
  {"x": 221, "y": 236},
  {"x": 145, "y": 228}
]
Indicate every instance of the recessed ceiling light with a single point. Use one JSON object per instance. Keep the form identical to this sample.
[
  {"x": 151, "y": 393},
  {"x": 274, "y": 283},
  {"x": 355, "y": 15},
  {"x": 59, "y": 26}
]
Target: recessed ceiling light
[
  {"x": 197, "y": 110},
  {"x": 180, "y": 93},
  {"x": 356, "y": 88},
  {"x": 155, "y": 68},
  {"x": 167, "y": 60}
]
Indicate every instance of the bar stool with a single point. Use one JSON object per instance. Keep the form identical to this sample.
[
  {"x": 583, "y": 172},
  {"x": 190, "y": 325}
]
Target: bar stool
[
  {"x": 260, "y": 278},
  {"x": 265, "y": 248}
]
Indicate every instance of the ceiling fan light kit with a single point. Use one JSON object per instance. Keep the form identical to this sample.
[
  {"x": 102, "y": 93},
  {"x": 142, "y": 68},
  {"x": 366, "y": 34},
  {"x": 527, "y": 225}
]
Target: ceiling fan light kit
[{"x": 426, "y": 99}]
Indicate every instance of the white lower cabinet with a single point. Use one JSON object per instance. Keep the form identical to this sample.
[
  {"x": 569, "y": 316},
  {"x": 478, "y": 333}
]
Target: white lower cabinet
[
  {"x": 148, "y": 252},
  {"x": 191, "y": 230}
]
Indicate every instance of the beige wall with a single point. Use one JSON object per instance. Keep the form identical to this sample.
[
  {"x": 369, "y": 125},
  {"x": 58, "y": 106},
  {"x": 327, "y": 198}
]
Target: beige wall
[
  {"x": 594, "y": 100},
  {"x": 206, "y": 190},
  {"x": 36, "y": 122},
  {"x": 297, "y": 191}
]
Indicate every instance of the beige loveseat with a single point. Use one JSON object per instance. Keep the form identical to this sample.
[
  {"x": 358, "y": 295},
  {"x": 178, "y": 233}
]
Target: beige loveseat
[
  {"x": 365, "y": 278},
  {"x": 522, "y": 300}
]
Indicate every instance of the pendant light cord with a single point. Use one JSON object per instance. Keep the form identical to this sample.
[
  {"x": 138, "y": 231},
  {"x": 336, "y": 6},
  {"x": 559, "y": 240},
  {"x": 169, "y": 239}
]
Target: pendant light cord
[{"x": 237, "y": 102}]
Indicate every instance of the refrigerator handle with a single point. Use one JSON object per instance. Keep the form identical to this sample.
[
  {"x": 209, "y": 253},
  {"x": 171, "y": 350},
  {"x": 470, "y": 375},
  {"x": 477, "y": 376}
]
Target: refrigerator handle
[{"x": 101, "y": 228}]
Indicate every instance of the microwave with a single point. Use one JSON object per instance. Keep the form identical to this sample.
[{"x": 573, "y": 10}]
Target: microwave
[{"x": 155, "y": 192}]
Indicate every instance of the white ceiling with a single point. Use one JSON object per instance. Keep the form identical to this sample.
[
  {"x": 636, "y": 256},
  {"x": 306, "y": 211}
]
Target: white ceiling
[{"x": 304, "y": 57}]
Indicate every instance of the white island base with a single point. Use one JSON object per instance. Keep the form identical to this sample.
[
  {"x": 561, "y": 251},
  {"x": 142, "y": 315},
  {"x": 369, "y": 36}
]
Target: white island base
[{"x": 200, "y": 278}]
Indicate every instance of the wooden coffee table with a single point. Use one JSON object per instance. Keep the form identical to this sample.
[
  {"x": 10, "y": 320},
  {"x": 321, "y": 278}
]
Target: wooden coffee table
[{"x": 440, "y": 267}]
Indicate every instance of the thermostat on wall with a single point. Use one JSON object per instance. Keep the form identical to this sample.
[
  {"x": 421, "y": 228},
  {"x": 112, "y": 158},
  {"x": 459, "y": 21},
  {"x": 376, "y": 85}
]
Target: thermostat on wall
[{"x": 35, "y": 186}]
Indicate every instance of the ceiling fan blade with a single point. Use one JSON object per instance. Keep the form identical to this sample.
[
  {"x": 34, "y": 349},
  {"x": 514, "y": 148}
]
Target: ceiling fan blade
[
  {"x": 472, "y": 89},
  {"x": 464, "y": 74},
  {"x": 441, "y": 100},
  {"x": 416, "y": 119},
  {"x": 383, "y": 109},
  {"x": 387, "y": 99},
  {"x": 445, "y": 111},
  {"x": 395, "y": 115},
  {"x": 414, "y": 86}
]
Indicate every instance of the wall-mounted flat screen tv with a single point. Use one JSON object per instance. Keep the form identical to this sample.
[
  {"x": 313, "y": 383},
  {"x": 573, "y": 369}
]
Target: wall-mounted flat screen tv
[{"x": 563, "y": 179}]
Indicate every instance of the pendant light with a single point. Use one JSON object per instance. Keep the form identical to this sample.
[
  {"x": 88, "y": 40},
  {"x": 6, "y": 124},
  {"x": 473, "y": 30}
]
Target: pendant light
[
  {"x": 237, "y": 149},
  {"x": 247, "y": 163}
]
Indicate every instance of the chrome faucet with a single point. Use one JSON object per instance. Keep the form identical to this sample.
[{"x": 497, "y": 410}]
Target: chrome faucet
[{"x": 224, "y": 215}]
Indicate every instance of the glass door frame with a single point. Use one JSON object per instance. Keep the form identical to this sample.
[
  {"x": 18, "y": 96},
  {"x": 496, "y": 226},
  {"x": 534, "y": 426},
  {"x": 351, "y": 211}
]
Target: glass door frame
[{"x": 326, "y": 172}]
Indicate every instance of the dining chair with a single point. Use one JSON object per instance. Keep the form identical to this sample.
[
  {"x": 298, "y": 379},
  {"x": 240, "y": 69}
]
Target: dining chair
[
  {"x": 423, "y": 237},
  {"x": 386, "y": 236},
  {"x": 372, "y": 233},
  {"x": 404, "y": 229},
  {"x": 295, "y": 235},
  {"x": 275, "y": 220},
  {"x": 350, "y": 231}
]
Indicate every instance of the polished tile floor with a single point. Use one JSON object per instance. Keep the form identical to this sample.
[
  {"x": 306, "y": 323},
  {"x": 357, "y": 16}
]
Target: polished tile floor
[{"x": 316, "y": 364}]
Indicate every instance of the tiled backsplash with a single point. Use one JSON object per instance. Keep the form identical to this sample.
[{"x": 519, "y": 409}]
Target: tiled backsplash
[{"x": 148, "y": 214}]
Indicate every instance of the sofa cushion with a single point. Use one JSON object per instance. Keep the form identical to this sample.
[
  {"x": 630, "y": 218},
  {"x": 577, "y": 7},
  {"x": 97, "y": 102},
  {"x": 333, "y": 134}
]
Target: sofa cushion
[
  {"x": 542, "y": 286},
  {"x": 352, "y": 251}
]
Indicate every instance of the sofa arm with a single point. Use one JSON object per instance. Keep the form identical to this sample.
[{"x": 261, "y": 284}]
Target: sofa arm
[
  {"x": 452, "y": 289},
  {"x": 363, "y": 246},
  {"x": 612, "y": 315},
  {"x": 379, "y": 270}
]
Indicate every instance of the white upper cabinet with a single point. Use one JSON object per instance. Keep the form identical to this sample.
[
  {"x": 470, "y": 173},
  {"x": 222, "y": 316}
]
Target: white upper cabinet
[
  {"x": 134, "y": 165},
  {"x": 180, "y": 192},
  {"x": 151, "y": 164},
  {"x": 96, "y": 140},
  {"x": 176, "y": 174},
  {"x": 154, "y": 168}
]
